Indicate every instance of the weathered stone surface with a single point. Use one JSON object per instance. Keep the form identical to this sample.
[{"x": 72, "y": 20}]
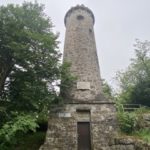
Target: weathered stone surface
[
  {"x": 83, "y": 85},
  {"x": 146, "y": 121},
  {"x": 127, "y": 143},
  {"x": 87, "y": 103},
  {"x": 62, "y": 131},
  {"x": 80, "y": 51}
]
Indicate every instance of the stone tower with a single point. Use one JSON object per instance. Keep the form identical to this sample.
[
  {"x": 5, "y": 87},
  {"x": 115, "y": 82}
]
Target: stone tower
[
  {"x": 80, "y": 51},
  {"x": 87, "y": 120}
]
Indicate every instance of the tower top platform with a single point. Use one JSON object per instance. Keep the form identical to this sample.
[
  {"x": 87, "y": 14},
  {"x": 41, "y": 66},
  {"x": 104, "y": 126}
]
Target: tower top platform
[{"x": 81, "y": 7}]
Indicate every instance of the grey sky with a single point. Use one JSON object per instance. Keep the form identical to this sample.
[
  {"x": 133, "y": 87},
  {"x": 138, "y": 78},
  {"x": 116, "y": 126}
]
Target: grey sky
[{"x": 118, "y": 24}]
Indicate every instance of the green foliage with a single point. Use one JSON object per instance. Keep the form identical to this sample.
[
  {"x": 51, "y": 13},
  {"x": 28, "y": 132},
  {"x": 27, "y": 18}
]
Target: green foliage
[
  {"x": 143, "y": 110},
  {"x": 127, "y": 122},
  {"x": 132, "y": 123},
  {"x": 20, "y": 124},
  {"x": 119, "y": 106},
  {"x": 107, "y": 89},
  {"x": 134, "y": 83},
  {"x": 141, "y": 93},
  {"x": 30, "y": 141},
  {"x": 143, "y": 134},
  {"x": 29, "y": 69},
  {"x": 28, "y": 49},
  {"x": 67, "y": 79}
]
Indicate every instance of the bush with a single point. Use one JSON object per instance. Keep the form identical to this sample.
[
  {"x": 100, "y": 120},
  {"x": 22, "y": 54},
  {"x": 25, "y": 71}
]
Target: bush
[
  {"x": 19, "y": 125},
  {"x": 127, "y": 122},
  {"x": 131, "y": 122}
]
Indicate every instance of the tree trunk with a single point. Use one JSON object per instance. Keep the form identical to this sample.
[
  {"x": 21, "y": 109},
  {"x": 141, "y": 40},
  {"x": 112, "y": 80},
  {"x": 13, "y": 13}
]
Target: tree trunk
[{"x": 5, "y": 70}]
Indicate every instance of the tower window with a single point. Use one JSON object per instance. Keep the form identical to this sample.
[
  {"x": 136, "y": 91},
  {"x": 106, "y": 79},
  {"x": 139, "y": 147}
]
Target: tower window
[{"x": 80, "y": 17}]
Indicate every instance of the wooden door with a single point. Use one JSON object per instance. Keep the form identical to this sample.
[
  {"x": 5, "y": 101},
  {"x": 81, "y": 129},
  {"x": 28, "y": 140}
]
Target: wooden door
[{"x": 84, "y": 138}]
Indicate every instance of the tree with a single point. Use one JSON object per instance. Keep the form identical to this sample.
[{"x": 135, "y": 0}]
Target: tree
[
  {"x": 29, "y": 68},
  {"x": 107, "y": 89},
  {"x": 29, "y": 58},
  {"x": 135, "y": 81}
]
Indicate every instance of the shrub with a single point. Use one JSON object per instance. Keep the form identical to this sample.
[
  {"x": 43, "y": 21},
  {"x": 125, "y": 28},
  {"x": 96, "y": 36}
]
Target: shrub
[
  {"x": 21, "y": 124},
  {"x": 127, "y": 121}
]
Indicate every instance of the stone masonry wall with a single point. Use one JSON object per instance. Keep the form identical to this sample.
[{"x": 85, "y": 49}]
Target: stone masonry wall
[
  {"x": 62, "y": 128},
  {"x": 87, "y": 103},
  {"x": 127, "y": 143},
  {"x": 80, "y": 51}
]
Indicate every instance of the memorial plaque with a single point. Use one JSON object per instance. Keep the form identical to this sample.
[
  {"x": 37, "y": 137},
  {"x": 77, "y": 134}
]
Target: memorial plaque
[
  {"x": 64, "y": 115},
  {"x": 83, "y": 85}
]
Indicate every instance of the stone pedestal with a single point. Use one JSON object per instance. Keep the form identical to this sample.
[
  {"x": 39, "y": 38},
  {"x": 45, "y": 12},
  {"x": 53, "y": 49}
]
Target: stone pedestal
[{"x": 62, "y": 127}]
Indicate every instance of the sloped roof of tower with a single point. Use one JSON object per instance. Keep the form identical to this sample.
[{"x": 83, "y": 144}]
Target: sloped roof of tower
[{"x": 82, "y": 7}]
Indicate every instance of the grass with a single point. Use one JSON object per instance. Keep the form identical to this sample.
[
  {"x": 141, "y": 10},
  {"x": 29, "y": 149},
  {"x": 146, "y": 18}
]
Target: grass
[{"x": 143, "y": 134}]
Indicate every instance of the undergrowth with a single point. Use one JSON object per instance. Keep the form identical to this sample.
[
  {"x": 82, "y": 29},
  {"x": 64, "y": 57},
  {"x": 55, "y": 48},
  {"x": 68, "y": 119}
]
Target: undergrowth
[{"x": 131, "y": 123}]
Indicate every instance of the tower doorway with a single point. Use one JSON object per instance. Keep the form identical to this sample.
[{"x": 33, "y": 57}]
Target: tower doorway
[{"x": 84, "y": 137}]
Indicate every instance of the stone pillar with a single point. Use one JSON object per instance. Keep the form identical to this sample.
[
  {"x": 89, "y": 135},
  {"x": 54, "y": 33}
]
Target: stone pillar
[{"x": 80, "y": 51}]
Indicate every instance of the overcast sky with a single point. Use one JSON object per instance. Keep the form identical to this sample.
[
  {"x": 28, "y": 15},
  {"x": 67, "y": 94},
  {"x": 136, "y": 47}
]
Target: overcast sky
[{"x": 117, "y": 24}]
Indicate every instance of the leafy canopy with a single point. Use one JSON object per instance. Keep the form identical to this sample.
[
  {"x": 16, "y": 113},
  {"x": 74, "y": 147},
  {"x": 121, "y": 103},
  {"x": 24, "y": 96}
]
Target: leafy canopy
[
  {"x": 29, "y": 58},
  {"x": 29, "y": 69},
  {"x": 135, "y": 81}
]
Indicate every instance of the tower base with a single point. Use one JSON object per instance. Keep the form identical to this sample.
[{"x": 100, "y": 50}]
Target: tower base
[{"x": 81, "y": 126}]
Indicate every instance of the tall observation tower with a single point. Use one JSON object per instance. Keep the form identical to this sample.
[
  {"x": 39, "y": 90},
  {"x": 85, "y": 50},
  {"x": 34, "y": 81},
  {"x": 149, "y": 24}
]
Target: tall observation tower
[
  {"x": 80, "y": 51},
  {"x": 87, "y": 120}
]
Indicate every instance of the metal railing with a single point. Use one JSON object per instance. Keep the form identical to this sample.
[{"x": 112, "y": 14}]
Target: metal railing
[{"x": 131, "y": 107}]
